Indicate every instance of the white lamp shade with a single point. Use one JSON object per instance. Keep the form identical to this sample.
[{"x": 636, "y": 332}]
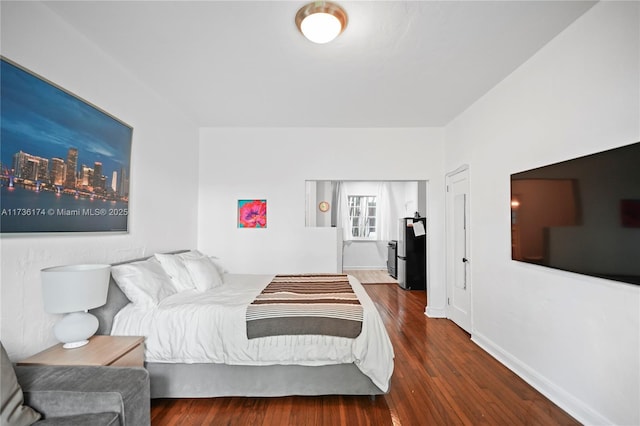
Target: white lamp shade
[{"x": 74, "y": 288}]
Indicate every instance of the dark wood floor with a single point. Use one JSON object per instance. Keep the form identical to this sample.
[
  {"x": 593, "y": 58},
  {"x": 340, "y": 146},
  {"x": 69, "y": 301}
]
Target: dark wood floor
[{"x": 440, "y": 378}]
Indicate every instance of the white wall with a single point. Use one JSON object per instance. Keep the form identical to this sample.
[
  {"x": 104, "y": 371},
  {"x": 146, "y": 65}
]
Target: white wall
[
  {"x": 163, "y": 171},
  {"x": 273, "y": 164},
  {"x": 364, "y": 255},
  {"x": 574, "y": 337}
]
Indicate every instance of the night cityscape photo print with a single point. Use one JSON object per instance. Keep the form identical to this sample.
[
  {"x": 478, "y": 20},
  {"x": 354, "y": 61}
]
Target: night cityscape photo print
[{"x": 64, "y": 164}]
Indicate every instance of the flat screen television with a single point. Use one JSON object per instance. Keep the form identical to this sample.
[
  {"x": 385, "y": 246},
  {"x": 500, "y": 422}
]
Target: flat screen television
[
  {"x": 64, "y": 163},
  {"x": 581, "y": 215}
]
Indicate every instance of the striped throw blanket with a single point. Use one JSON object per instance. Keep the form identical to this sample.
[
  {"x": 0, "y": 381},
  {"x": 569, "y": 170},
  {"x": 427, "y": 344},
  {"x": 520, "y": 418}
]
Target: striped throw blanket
[{"x": 321, "y": 304}]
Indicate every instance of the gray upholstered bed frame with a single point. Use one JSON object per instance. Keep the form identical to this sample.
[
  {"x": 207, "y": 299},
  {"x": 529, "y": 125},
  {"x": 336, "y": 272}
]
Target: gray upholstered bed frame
[{"x": 170, "y": 380}]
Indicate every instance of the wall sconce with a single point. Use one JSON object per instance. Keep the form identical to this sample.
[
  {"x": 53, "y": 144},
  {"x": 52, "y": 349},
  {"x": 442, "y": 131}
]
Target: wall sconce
[
  {"x": 321, "y": 21},
  {"x": 72, "y": 290}
]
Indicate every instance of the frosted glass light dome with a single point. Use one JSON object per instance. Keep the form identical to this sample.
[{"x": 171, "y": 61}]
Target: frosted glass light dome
[
  {"x": 321, "y": 22},
  {"x": 321, "y": 27}
]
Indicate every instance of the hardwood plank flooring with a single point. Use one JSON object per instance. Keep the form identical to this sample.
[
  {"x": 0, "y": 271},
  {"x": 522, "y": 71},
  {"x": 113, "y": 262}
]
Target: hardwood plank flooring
[
  {"x": 372, "y": 276},
  {"x": 440, "y": 378}
]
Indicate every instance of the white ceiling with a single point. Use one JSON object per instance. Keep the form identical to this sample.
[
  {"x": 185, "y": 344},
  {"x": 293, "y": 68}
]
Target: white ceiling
[{"x": 398, "y": 63}]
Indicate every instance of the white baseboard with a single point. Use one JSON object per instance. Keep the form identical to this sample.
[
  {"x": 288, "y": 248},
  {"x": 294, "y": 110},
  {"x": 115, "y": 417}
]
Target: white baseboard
[
  {"x": 432, "y": 312},
  {"x": 576, "y": 408}
]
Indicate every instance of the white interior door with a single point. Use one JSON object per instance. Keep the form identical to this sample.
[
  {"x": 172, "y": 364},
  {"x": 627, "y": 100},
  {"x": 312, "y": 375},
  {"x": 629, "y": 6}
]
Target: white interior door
[{"x": 458, "y": 263}]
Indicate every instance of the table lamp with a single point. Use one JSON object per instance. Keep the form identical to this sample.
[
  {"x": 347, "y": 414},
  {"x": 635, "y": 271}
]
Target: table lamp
[{"x": 72, "y": 290}]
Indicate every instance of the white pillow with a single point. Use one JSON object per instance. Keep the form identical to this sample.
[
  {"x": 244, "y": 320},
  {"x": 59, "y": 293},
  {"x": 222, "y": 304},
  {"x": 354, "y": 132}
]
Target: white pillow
[
  {"x": 196, "y": 254},
  {"x": 192, "y": 254},
  {"x": 174, "y": 267},
  {"x": 203, "y": 272},
  {"x": 218, "y": 264},
  {"x": 145, "y": 283}
]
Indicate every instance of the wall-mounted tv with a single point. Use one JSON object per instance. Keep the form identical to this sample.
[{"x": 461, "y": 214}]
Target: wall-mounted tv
[
  {"x": 64, "y": 163},
  {"x": 581, "y": 215}
]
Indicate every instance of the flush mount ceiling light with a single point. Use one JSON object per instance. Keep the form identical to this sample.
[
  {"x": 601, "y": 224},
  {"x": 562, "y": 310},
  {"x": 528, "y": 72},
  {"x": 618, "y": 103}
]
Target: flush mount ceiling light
[{"x": 321, "y": 21}]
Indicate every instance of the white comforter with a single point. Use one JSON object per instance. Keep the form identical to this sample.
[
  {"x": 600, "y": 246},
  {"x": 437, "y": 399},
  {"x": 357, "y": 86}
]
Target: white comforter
[{"x": 209, "y": 327}]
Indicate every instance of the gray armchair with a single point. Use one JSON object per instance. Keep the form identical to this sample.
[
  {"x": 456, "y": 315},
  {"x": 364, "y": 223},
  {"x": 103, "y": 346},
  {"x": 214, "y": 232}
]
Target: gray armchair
[{"x": 78, "y": 395}]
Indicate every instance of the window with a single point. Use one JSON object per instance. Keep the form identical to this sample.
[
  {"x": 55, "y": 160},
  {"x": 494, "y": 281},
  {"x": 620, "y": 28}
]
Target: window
[{"x": 362, "y": 216}]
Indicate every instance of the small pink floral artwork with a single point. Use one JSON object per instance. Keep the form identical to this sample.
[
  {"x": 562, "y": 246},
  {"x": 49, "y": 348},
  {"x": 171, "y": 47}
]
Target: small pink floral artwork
[{"x": 252, "y": 213}]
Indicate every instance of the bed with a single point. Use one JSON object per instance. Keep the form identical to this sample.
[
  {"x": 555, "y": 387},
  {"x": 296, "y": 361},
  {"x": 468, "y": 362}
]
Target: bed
[{"x": 187, "y": 356}]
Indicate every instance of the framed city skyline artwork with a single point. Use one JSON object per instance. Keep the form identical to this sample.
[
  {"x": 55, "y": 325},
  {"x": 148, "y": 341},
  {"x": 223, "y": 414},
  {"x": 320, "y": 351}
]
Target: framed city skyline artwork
[
  {"x": 252, "y": 213},
  {"x": 64, "y": 163}
]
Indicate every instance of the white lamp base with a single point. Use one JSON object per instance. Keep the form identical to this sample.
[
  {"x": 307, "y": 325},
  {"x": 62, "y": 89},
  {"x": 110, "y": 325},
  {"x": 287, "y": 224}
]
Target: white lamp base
[
  {"x": 74, "y": 329},
  {"x": 73, "y": 345}
]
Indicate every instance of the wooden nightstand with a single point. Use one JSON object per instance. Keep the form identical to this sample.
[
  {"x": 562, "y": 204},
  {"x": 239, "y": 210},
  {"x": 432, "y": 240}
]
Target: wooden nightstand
[{"x": 117, "y": 351}]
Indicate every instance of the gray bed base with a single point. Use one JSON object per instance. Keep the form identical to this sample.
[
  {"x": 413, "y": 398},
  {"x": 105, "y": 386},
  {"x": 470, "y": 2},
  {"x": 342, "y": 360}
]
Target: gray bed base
[{"x": 170, "y": 380}]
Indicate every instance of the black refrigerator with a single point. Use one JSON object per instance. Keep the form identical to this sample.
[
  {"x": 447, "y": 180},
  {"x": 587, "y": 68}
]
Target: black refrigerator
[{"x": 412, "y": 253}]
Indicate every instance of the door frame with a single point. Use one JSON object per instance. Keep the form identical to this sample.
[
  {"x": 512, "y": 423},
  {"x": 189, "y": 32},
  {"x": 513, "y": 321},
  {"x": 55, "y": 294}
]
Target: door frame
[{"x": 450, "y": 247}]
